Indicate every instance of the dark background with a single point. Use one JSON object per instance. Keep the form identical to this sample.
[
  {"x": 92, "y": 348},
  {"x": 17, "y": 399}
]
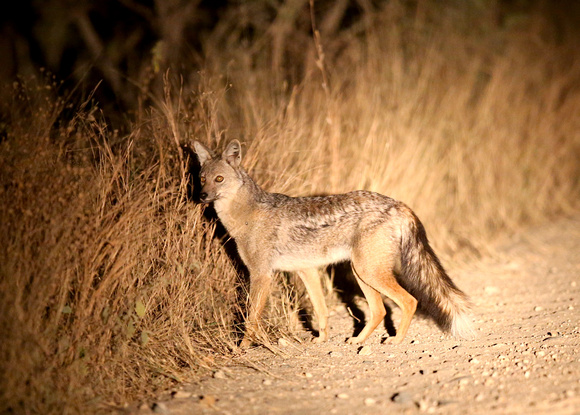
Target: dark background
[{"x": 129, "y": 44}]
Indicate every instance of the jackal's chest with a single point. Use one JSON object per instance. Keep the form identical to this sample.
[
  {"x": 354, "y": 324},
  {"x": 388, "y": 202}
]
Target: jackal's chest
[
  {"x": 309, "y": 257},
  {"x": 240, "y": 221}
]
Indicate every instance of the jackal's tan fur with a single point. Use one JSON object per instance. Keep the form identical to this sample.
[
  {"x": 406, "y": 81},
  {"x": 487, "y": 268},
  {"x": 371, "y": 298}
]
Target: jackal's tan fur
[{"x": 384, "y": 240}]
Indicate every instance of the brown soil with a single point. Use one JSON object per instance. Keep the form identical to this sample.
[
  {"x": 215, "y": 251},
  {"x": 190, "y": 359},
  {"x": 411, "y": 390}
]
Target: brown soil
[{"x": 525, "y": 359}]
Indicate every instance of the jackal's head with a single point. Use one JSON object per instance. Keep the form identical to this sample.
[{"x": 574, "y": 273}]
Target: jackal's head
[{"x": 219, "y": 177}]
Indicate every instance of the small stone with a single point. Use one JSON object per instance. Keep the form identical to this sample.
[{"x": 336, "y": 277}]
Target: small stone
[
  {"x": 474, "y": 360},
  {"x": 266, "y": 382},
  {"x": 342, "y": 396},
  {"x": 479, "y": 397},
  {"x": 283, "y": 342},
  {"x": 491, "y": 290},
  {"x": 160, "y": 408},
  {"x": 219, "y": 374},
  {"x": 181, "y": 395},
  {"x": 307, "y": 375},
  {"x": 335, "y": 354},
  {"x": 365, "y": 351},
  {"x": 208, "y": 400},
  {"x": 370, "y": 401},
  {"x": 401, "y": 397},
  {"x": 538, "y": 308},
  {"x": 424, "y": 405}
]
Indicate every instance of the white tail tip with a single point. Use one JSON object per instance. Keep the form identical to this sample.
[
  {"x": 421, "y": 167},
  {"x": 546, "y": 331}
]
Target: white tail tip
[{"x": 462, "y": 327}]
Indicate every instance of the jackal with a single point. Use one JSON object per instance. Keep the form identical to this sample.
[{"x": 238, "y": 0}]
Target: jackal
[{"x": 381, "y": 237}]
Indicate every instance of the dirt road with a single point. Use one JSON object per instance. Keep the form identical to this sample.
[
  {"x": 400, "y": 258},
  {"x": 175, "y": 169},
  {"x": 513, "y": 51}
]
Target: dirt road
[{"x": 526, "y": 358}]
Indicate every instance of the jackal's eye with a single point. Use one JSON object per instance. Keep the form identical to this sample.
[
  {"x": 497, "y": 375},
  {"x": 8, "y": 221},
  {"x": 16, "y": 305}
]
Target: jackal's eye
[
  {"x": 202, "y": 179},
  {"x": 219, "y": 179}
]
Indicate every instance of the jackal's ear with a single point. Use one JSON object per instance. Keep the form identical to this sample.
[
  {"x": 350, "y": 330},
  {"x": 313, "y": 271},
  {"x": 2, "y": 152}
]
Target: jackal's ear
[
  {"x": 204, "y": 154},
  {"x": 233, "y": 153}
]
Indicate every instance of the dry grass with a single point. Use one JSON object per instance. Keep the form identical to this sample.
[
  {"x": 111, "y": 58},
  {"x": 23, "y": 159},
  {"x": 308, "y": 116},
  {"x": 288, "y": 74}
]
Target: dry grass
[
  {"x": 102, "y": 258},
  {"x": 113, "y": 285}
]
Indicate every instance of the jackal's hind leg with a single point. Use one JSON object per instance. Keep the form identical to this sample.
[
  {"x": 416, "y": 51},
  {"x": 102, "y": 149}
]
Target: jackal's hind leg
[
  {"x": 311, "y": 281},
  {"x": 385, "y": 283},
  {"x": 377, "y": 311},
  {"x": 259, "y": 292},
  {"x": 408, "y": 305},
  {"x": 373, "y": 263}
]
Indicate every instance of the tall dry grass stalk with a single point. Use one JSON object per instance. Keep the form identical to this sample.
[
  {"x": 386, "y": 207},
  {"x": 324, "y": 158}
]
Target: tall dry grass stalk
[{"x": 114, "y": 286}]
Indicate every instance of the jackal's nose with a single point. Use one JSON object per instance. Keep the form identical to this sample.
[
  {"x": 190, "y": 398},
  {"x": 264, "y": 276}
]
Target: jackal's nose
[{"x": 203, "y": 196}]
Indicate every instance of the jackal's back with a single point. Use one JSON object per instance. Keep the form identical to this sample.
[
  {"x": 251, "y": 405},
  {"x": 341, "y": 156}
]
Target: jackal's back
[
  {"x": 316, "y": 212},
  {"x": 320, "y": 230}
]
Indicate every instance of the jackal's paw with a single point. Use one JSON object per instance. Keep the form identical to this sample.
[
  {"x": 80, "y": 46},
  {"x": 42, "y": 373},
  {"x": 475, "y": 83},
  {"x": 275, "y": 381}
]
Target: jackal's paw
[
  {"x": 322, "y": 337},
  {"x": 393, "y": 340},
  {"x": 354, "y": 340},
  {"x": 319, "y": 339}
]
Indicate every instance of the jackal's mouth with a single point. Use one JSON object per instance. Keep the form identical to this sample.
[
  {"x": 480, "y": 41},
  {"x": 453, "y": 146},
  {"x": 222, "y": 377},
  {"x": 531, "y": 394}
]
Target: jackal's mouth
[{"x": 205, "y": 198}]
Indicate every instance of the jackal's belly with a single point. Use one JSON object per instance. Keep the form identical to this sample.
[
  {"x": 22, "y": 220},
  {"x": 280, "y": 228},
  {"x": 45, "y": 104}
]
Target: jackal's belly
[{"x": 314, "y": 257}]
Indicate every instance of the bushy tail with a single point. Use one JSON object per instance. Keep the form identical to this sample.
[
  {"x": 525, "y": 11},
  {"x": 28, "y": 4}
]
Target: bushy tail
[{"x": 423, "y": 276}]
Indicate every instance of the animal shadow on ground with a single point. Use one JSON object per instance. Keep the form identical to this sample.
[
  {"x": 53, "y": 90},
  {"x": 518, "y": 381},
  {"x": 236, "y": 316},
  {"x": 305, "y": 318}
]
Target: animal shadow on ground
[{"x": 343, "y": 280}]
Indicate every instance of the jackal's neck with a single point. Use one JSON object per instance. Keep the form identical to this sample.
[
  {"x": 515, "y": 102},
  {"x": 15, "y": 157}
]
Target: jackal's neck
[{"x": 236, "y": 210}]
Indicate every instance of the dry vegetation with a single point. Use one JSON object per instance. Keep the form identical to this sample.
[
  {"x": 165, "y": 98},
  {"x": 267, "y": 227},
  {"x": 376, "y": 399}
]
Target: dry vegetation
[{"x": 113, "y": 284}]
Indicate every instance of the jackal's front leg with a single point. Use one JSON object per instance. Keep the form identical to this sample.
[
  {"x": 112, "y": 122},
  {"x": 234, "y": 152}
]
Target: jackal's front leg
[
  {"x": 259, "y": 292},
  {"x": 311, "y": 280}
]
